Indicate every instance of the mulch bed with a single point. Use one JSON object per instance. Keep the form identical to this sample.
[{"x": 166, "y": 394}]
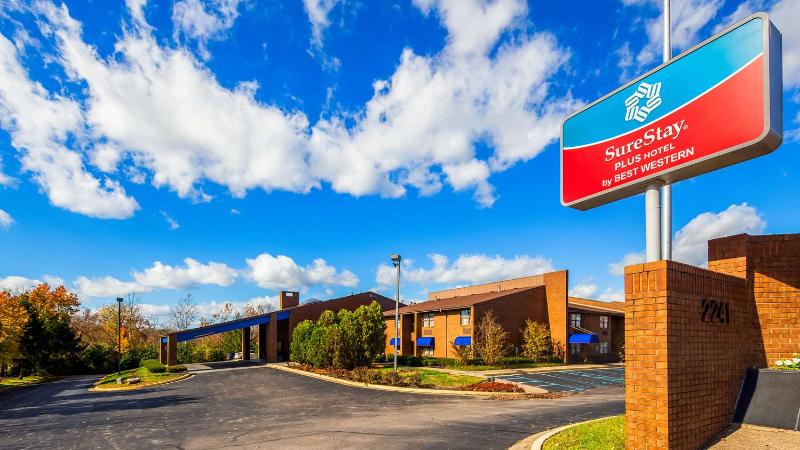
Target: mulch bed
[{"x": 492, "y": 386}]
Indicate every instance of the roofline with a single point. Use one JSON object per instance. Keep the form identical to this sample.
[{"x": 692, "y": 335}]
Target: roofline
[
  {"x": 579, "y": 306},
  {"x": 440, "y": 309}
]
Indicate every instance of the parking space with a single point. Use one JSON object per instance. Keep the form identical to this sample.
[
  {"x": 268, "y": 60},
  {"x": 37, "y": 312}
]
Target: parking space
[{"x": 570, "y": 380}]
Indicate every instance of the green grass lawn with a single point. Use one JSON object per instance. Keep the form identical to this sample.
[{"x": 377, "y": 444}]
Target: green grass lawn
[
  {"x": 436, "y": 379},
  {"x": 606, "y": 434},
  {"x": 110, "y": 381},
  {"x": 12, "y": 382}
]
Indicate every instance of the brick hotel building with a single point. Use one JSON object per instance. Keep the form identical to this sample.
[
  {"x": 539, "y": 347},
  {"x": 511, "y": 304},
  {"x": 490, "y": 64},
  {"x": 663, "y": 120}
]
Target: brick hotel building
[{"x": 586, "y": 330}]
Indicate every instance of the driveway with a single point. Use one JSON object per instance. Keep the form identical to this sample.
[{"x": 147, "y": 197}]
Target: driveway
[
  {"x": 259, "y": 407},
  {"x": 569, "y": 380}
]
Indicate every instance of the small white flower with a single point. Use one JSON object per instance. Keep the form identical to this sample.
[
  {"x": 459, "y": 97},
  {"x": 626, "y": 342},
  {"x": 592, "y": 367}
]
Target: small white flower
[
  {"x": 787, "y": 362},
  {"x": 779, "y": 363},
  {"x": 796, "y": 360}
]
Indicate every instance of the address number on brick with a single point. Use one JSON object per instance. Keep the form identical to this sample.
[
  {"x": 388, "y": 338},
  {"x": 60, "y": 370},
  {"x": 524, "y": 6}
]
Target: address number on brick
[{"x": 715, "y": 311}]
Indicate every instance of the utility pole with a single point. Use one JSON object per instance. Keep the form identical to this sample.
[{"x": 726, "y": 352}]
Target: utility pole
[
  {"x": 396, "y": 262},
  {"x": 666, "y": 191},
  {"x": 119, "y": 335}
]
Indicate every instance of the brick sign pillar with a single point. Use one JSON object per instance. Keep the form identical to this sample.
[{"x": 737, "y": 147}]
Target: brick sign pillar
[{"x": 686, "y": 351}]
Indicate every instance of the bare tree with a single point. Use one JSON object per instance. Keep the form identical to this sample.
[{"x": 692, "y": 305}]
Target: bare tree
[
  {"x": 184, "y": 314},
  {"x": 491, "y": 341}
]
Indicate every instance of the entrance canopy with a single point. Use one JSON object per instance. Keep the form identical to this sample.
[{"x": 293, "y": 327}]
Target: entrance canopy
[{"x": 222, "y": 327}]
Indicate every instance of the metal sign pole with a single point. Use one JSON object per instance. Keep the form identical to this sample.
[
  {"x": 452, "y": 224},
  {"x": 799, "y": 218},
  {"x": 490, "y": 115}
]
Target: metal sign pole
[{"x": 666, "y": 191}]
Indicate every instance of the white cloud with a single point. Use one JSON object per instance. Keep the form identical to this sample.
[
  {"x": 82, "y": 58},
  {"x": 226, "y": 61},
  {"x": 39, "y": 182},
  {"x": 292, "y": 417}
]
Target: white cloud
[
  {"x": 107, "y": 287},
  {"x": 208, "y": 308},
  {"x": 5, "y": 220},
  {"x": 583, "y": 290},
  {"x": 164, "y": 276},
  {"x": 235, "y": 212},
  {"x": 173, "y": 224},
  {"x": 691, "y": 241},
  {"x": 281, "y": 272},
  {"x": 40, "y": 123},
  {"x": 136, "y": 8},
  {"x": 612, "y": 295},
  {"x": 466, "y": 269},
  {"x": 317, "y": 12},
  {"x": 202, "y": 21},
  {"x": 690, "y": 244},
  {"x": 618, "y": 268},
  {"x": 18, "y": 284},
  {"x": 5, "y": 180},
  {"x": 687, "y": 17},
  {"x": 163, "y": 114},
  {"x": 786, "y": 15}
]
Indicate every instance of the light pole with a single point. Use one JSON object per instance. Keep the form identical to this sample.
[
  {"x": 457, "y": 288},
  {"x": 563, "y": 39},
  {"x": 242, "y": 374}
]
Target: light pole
[
  {"x": 119, "y": 335},
  {"x": 396, "y": 262}
]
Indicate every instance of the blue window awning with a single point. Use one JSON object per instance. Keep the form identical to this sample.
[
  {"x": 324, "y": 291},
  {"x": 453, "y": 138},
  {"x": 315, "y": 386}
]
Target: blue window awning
[
  {"x": 463, "y": 340},
  {"x": 283, "y": 315},
  {"x": 392, "y": 342},
  {"x": 425, "y": 342},
  {"x": 584, "y": 338}
]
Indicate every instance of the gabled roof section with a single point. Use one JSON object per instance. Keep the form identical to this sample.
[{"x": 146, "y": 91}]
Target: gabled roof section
[
  {"x": 585, "y": 304},
  {"x": 463, "y": 301},
  {"x": 493, "y": 286}
]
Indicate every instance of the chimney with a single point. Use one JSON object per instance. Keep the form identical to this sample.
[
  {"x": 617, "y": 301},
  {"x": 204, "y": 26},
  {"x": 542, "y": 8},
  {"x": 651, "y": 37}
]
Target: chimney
[{"x": 289, "y": 299}]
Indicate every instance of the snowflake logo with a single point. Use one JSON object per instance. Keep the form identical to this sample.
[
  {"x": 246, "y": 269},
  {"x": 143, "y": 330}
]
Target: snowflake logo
[{"x": 636, "y": 111}]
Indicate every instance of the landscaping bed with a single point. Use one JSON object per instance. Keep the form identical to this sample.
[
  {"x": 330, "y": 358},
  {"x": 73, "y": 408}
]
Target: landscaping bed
[
  {"x": 151, "y": 373},
  {"x": 405, "y": 377},
  {"x": 12, "y": 382},
  {"x": 475, "y": 365},
  {"x": 604, "y": 434}
]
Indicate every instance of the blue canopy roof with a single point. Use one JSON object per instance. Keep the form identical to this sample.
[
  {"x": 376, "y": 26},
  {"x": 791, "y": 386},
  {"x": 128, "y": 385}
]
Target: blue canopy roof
[
  {"x": 463, "y": 340},
  {"x": 584, "y": 338},
  {"x": 391, "y": 342},
  {"x": 283, "y": 315},
  {"x": 222, "y": 327},
  {"x": 425, "y": 342}
]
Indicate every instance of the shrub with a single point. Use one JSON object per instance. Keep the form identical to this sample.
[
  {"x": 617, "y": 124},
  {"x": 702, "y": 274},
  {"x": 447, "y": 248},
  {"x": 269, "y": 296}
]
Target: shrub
[
  {"x": 344, "y": 340},
  {"x": 154, "y": 366},
  {"x": 414, "y": 379},
  {"x": 491, "y": 340},
  {"x": 536, "y": 340},
  {"x": 97, "y": 358},
  {"x": 176, "y": 369},
  {"x": 463, "y": 353}
]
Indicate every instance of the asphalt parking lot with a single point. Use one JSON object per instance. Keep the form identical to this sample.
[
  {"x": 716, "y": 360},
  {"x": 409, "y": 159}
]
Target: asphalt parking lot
[
  {"x": 570, "y": 380},
  {"x": 258, "y": 407}
]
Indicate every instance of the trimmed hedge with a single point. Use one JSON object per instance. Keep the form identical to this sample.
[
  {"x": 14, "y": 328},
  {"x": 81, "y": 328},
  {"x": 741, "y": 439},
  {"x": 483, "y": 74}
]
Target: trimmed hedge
[
  {"x": 154, "y": 366},
  {"x": 176, "y": 369}
]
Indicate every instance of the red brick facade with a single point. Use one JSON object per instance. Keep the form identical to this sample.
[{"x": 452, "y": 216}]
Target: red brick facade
[{"x": 692, "y": 332}]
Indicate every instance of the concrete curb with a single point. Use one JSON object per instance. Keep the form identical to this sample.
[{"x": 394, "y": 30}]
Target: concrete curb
[
  {"x": 136, "y": 387},
  {"x": 545, "y": 435},
  {"x": 380, "y": 387}
]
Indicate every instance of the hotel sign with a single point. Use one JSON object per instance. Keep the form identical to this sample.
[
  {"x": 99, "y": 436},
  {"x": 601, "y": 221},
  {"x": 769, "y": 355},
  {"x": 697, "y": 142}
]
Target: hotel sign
[{"x": 716, "y": 104}]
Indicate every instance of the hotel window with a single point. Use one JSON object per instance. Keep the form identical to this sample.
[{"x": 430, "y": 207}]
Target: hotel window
[
  {"x": 574, "y": 348},
  {"x": 603, "y": 322},
  {"x": 427, "y": 351},
  {"x": 427, "y": 319},
  {"x": 464, "y": 317},
  {"x": 604, "y": 348},
  {"x": 575, "y": 320}
]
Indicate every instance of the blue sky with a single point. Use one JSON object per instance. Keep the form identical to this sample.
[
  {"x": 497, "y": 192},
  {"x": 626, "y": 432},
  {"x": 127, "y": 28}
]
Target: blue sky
[{"x": 233, "y": 148}]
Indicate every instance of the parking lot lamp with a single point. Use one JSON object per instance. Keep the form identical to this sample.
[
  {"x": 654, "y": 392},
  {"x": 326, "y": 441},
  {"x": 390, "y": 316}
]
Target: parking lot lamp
[
  {"x": 396, "y": 262},
  {"x": 119, "y": 334}
]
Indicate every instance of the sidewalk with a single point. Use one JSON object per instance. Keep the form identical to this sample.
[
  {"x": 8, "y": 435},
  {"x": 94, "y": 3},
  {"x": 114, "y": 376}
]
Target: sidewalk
[
  {"x": 496, "y": 372},
  {"x": 749, "y": 437}
]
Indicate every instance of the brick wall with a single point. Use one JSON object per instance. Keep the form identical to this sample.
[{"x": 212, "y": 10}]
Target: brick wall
[
  {"x": 771, "y": 265},
  {"x": 682, "y": 373},
  {"x": 556, "y": 287},
  {"x": 495, "y": 286}
]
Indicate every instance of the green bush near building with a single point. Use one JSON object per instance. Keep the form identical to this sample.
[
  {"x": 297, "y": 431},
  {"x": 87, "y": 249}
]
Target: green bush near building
[
  {"x": 604, "y": 434},
  {"x": 345, "y": 340}
]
